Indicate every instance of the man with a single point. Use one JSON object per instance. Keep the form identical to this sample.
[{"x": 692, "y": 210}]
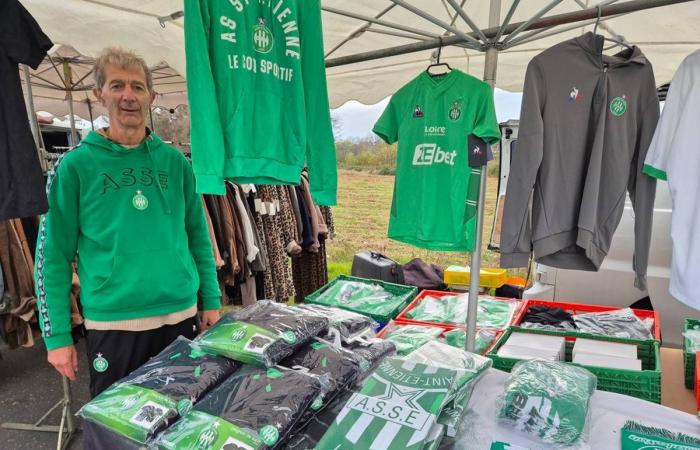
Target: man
[{"x": 124, "y": 203}]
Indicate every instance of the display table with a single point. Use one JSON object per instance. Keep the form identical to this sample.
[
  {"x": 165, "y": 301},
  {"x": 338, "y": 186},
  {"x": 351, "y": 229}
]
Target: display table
[
  {"x": 673, "y": 391},
  {"x": 609, "y": 412}
]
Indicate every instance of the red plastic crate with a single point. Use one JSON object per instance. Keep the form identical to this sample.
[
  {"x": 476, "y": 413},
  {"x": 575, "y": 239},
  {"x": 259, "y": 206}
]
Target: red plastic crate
[
  {"x": 447, "y": 328},
  {"x": 401, "y": 318},
  {"x": 576, "y": 308}
]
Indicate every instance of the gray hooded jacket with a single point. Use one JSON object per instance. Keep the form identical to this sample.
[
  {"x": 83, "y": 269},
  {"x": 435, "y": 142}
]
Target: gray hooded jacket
[{"x": 585, "y": 126}]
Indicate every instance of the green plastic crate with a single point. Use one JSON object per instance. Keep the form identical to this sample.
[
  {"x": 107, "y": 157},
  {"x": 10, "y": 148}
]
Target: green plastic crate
[
  {"x": 644, "y": 384},
  {"x": 688, "y": 356},
  {"x": 403, "y": 295}
]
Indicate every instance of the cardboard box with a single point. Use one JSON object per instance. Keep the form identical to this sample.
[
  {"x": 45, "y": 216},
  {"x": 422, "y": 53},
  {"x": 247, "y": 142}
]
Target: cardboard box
[
  {"x": 615, "y": 349},
  {"x": 513, "y": 351},
  {"x": 610, "y": 362}
]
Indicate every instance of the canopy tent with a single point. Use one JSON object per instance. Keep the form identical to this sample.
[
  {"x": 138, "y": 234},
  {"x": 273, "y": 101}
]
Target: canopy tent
[
  {"x": 65, "y": 73},
  {"x": 665, "y": 34}
]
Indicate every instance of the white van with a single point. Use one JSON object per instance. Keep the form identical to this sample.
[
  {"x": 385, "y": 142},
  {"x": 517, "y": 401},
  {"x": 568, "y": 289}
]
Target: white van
[{"x": 613, "y": 284}]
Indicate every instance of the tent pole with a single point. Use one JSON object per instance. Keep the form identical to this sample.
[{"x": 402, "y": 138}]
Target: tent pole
[
  {"x": 33, "y": 121},
  {"x": 89, "y": 105},
  {"x": 545, "y": 22},
  {"x": 69, "y": 93},
  {"x": 490, "y": 67}
]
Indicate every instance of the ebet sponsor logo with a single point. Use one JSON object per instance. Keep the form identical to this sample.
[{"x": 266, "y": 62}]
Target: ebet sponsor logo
[{"x": 429, "y": 154}]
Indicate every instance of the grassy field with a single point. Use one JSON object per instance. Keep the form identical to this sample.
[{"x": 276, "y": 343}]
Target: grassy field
[{"x": 362, "y": 217}]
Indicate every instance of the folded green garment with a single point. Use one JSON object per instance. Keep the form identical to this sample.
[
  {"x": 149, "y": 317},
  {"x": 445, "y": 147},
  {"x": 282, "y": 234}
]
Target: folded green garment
[
  {"x": 410, "y": 337},
  {"x": 483, "y": 339},
  {"x": 548, "y": 399},
  {"x": 452, "y": 309},
  {"x": 364, "y": 297}
]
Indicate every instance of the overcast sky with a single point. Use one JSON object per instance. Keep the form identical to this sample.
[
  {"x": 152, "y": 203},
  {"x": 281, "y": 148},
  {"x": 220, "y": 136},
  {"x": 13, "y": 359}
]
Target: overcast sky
[{"x": 357, "y": 119}]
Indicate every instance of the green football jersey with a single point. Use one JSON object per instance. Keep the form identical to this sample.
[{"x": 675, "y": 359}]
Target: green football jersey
[{"x": 435, "y": 190}]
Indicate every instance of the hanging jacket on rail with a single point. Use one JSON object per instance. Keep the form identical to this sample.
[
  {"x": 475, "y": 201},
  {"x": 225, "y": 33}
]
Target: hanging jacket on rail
[{"x": 586, "y": 123}]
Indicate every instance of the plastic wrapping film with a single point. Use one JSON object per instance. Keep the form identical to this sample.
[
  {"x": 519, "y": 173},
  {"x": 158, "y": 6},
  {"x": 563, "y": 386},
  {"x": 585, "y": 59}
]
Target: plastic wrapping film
[
  {"x": 468, "y": 368},
  {"x": 337, "y": 367},
  {"x": 452, "y": 309},
  {"x": 693, "y": 337},
  {"x": 255, "y": 408},
  {"x": 549, "y": 400},
  {"x": 483, "y": 339},
  {"x": 622, "y": 323},
  {"x": 365, "y": 297},
  {"x": 262, "y": 334},
  {"x": 349, "y": 324},
  {"x": 152, "y": 396},
  {"x": 396, "y": 408},
  {"x": 410, "y": 337},
  {"x": 370, "y": 354}
]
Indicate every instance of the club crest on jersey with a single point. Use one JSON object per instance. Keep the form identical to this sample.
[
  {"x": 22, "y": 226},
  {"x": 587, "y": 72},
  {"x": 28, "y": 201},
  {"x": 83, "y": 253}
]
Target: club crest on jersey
[
  {"x": 418, "y": 112},
  {"x": 139, "y": 201},
  {"x": 618, "y": 106},
  {"x": 455, "y": 112},
  {"x": 575, "y": 95},
  {"x": 262, "y": 37}
]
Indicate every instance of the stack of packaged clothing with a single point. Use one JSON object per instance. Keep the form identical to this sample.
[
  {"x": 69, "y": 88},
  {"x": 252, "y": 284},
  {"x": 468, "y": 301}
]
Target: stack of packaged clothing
[
  {"x": 252, "y": 381},
  {"x": 371, "y": 298},
  {"x": 621, "y": 323},
  {"x": 452, "y": 310}
]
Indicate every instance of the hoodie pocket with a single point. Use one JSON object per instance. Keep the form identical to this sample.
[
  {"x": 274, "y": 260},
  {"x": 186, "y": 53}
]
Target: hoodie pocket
[{"x": 148, "y": 279}]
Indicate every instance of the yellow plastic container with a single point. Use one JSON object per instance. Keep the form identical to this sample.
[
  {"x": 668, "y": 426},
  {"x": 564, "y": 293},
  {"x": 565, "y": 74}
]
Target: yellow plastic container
[{"x": 489, "y": 277}]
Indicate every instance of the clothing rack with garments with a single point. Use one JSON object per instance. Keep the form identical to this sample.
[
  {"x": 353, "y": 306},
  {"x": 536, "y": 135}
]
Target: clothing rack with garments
[{"x": 268, "y": 241}]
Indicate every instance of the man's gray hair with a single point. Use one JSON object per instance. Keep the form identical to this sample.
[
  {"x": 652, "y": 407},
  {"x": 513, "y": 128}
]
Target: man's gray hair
[{"x": 123, "y": 59}]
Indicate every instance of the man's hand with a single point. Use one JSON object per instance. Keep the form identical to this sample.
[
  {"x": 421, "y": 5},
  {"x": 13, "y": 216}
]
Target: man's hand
[
  {"x": 209, "y": 318},
  {"x": 65, "y": 361}
]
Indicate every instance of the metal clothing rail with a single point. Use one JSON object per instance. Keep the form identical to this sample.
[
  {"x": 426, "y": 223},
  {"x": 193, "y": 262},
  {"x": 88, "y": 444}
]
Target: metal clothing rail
[{"x": 66, "y": 428}]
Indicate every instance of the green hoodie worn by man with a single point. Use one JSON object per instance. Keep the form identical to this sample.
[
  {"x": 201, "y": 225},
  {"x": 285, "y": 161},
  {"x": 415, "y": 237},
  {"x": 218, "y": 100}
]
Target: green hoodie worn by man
[{"x": 136, "y": 223}]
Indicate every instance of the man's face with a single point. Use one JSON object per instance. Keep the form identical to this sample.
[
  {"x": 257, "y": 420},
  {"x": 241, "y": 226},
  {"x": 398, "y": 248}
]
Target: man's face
[{"x": 125, "y": 95}]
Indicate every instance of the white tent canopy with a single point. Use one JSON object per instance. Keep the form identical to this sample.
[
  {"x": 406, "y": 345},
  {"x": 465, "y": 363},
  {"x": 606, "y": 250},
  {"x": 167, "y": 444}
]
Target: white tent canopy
[{"x": 665, "y": 34}]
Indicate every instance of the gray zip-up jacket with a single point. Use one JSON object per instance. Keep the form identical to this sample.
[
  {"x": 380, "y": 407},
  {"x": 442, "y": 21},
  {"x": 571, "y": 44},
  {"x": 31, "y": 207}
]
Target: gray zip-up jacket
[{"x": 585, "y": 126}]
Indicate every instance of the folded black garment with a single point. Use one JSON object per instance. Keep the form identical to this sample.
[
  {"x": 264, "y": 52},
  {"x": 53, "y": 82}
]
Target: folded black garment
[
  {"x": 145, "y": 401},
  {"x": 335, "y": 367},
  {"x": 255, "y": 408},
  {"x": 262, "y": 334},
  {"x": 371, "y": 354}
]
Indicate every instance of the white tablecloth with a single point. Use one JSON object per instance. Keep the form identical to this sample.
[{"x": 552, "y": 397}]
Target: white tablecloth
[{"x": 609, "y": 412}]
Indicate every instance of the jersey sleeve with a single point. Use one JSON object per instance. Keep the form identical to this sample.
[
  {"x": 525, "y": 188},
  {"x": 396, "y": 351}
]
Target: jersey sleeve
[
  {"x": 661, "y": 148},
  {"x": 206, "y": 135},
  {"x": 486, "y": 125},
  {"x": 320, "y": 145},
  {"x": 387, "y": 127},
  {"x": 21, "y": 36}
]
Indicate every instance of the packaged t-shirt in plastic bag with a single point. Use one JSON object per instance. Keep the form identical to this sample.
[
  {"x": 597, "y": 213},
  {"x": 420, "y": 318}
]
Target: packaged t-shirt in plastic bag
[
  {"x": 262, "y": 334},
  {"x": 468, "y": 368},
  {"x": 622, "y": 323},
  {"x": 350, "y": 325},
  {"x": 335, "y": 367},
  {"x": 255, "y": 408},
  {"x": 452, "y": 309},
  {"x": 483, "y": 339},
  {"x": 549, "y": 400},
  {"x": 396, "y": 408},
  {"x": 152, "y": 396},
  {"x": 370, "y": 353},
  {"x": 364, "y": 297},
  {"x": 410, "y": 337}
]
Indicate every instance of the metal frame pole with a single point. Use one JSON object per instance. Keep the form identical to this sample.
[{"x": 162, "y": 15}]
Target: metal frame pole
[
  {"x": 545, "y": 22},
  {"x": 490, "y": 67},
  {"x": 33, "y": 121},
  {"x": 444, "y": 25},
  {"x": 69, "y": 93}
]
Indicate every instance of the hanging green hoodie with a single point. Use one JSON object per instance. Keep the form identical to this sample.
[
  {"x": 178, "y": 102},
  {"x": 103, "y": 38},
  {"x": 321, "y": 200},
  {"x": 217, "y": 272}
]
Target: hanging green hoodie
[
  {"x": 138, "y": 227},
  {"x": 256, "y": 84}
]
